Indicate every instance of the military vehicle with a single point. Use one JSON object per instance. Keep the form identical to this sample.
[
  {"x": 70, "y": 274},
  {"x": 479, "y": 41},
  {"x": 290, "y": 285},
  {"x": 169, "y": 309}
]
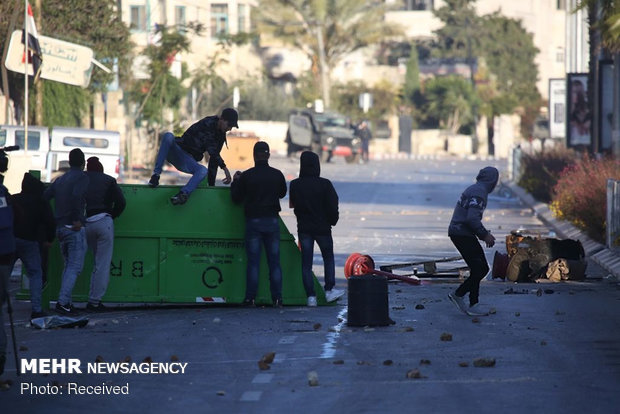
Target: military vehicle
[{"x": 327, "y": 134}]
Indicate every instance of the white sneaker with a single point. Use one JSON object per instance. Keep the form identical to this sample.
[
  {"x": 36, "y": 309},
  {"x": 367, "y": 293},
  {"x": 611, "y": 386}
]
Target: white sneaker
[
  {"x": 334, "y": 294},
  {"x": 312, "y": 301},
  {"x": 458, "y": 302},
  {"x": 476, "y": 311}
]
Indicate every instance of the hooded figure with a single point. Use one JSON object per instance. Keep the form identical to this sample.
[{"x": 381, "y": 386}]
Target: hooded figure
[
  {"x": 465, "y": 228},
  {"x": 315, "y": 203},
  {"x": 313, "y": 197},
  {"x": 467, "y": 216}
]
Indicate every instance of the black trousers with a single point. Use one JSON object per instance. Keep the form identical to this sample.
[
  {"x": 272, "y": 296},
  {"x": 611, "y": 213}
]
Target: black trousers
[
  {"x": 212, "y": 171},
  {"x": 472, "y": 253}
]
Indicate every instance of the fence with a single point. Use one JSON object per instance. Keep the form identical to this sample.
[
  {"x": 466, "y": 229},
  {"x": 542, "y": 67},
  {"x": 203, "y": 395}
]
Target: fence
[{"x": 613, "y": 214}]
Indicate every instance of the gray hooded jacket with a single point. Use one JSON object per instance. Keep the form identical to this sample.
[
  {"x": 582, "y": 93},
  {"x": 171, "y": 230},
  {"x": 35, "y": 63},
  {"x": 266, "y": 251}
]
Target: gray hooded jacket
[{"x": 467, "y": 216}]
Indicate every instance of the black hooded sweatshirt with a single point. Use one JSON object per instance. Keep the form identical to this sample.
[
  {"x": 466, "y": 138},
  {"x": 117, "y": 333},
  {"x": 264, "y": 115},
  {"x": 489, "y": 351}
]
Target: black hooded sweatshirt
[
  {"x": 314, "y": 198},
  {"x": 34, "y": 218}
]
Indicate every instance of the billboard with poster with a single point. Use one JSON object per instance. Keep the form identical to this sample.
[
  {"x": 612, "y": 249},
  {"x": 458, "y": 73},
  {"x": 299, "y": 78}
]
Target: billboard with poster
[
  {"x": 578, "y": 127},
  {"x": 557, "y": 108}
]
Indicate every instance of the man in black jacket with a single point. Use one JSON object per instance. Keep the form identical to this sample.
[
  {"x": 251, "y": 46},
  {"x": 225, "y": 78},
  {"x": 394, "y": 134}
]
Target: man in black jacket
[
  {"x": 260, "y": 189},
  {"x": 34, "y": 223},
  {"x": 207, "y": 135},
  {"x": 316, "y": 207},
  {"x": 104, "y": 202}
]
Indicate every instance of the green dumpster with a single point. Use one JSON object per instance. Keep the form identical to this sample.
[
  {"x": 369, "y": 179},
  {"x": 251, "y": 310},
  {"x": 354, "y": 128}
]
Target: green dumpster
[{"x": 192, "y": 253}]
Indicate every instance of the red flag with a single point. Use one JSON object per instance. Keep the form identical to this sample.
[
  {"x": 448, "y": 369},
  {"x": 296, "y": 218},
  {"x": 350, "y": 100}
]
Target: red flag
[{"x": 34, "y": 49}]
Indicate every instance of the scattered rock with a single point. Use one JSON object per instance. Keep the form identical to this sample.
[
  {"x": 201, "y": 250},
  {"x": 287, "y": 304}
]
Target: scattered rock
[
  {"x": 425, "y": 362},
  {"x": 517, "y": 313},
  {"x": 5, "y": 385},
  {"x": 398, "y": 307},
  {"x": 98, "y": 358},
  {"x": 268, "y": 357},
  {"x": 23, "y": 348},
  {"x": 492, "y": 311},
  {"x": 543, "y": 343},
  {"x": 338, "y": 362},
  {"x": 484, "y": 362},
  {"x": 127, "y": 359},
  {"x": 221, "y": 393},
  {"x": 174, "y": 358},
  {"x": 148, "y": 359},
  {"x": 475, "y": 320},
  {"x": 419, "y": 306},
  {"x": 263, "y": 366},
  {"x": 388, "y": 362},
  {"x": 463, "y": 364},
  {"x": 363, "y": 363},
  {"x": 559, "y": 313},
  {"x": 407, "y": 329},
  {"x": 414, "y": 373},
  {"x": 549, "y": 291},
  {"x": 316, "y": 326},
  {"x": 446, "y": 336},
  {"x": 313, "y": 379}
]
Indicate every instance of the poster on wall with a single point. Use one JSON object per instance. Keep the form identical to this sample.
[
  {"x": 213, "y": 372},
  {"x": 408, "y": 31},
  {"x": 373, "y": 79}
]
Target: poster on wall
[
  {"x": 578, "y": 127},
  {"x": 557, "y": 108},
  {"x": 606, "y": 71}
]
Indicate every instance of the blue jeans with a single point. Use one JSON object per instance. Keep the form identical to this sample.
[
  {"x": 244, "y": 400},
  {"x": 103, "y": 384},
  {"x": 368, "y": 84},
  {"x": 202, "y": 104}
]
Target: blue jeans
[
  {"x": 170, "y": 150},
  {"x": 267, "y": 230},
  {"x": 73, "y": 248},
  {"x": 30, "y": 255},
  {"x": 326, "y": 245},
  {"x": 5, "y": 273}
]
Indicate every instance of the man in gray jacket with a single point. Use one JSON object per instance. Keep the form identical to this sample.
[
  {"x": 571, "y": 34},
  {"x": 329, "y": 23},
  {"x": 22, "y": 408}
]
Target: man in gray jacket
[
  {"x": 465, "y": 228},
  {"x": 69, "y": 192}
]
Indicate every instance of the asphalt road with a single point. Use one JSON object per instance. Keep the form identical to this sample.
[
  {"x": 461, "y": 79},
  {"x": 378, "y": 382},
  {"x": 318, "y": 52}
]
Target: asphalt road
[{"x": 553, "y": 347}]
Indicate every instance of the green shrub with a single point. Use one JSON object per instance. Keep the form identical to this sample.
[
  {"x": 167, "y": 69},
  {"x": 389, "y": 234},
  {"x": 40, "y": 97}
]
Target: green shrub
[
  {"x": 580, "y": 195},
  {"x": 540, "y": 171}
]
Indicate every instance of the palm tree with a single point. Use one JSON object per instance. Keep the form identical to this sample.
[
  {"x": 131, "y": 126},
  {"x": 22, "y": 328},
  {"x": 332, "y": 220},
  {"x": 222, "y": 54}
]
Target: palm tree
[{"x": 325, "y": 30}]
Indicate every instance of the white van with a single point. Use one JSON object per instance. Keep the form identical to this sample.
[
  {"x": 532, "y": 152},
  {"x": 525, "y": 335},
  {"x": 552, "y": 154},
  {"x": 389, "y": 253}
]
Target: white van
[
  {"x": 105, "y": 145},
  {"x": 38, "y": 143}
]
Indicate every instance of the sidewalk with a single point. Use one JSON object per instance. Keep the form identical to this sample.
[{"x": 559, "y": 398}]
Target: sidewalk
[{"x": 597, "y": 252}]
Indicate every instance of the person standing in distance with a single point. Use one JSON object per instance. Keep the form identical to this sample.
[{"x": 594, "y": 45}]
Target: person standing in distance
[
  {"x": 104, "y": 202},
  {"x": 260, "y": 189},
  {"x": 7, "y": 252},
  {"x": 69, "y": 192},
  {"x": 185, "y": 152},
  {"x": 315, "y": 204},
  {"x": 465, "y": 229}
]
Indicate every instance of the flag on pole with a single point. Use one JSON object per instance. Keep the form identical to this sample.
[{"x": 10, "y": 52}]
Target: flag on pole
[{"x": 34, "y": 48}]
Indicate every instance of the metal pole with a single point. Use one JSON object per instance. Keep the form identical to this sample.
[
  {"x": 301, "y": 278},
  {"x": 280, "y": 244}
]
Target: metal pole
[
  {"x": 325, "y": 88},
  {"x": 25, "y": 76}
]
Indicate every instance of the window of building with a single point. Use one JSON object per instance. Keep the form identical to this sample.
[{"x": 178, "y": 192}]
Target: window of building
[
  {"x": 241, "y": 16},
  {"x": 138, "y": 18},
  {"x": 561, "y": 4},
  {"x": 559, "y": 55},
  {"x": 179, "y": 18},
  {"x": 219, "y": 19},
  {"x": 419, "y": 4}
]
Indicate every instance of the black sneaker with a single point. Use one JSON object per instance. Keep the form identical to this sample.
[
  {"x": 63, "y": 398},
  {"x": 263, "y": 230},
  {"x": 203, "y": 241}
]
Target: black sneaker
[
  {"x": 91, "y": 307},
  {"x": 154, "y": 181},
  {"x": 180, "y": 198},
  {"x": 277, "y": 303},
  {"x": 65, "y": 309},
  {"x": 35, "y": 315},
  {"x": 249, "y": 303}
]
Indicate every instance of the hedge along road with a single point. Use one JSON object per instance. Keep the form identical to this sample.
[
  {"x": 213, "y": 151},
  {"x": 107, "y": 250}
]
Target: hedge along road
[{"x": 538, "y": 344}]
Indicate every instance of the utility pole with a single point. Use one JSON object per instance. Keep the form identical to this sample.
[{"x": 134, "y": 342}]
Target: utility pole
[
  {"x": 322, "y": 64},
  {"x": 474, "y": 109},
  {"x": 38, "y": 86}
]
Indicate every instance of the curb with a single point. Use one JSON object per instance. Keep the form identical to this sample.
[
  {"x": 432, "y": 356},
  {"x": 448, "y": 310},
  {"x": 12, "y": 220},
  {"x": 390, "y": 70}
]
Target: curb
[{"x": 596, "y": 251}]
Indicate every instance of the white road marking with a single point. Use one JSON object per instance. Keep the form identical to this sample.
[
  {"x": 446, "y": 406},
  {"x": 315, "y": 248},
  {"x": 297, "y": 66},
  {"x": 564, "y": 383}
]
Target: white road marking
[
  {"x": 251, "y": 396},
  {"x": 262, "y": 379},
  {"x": 329, "y": 347}
]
